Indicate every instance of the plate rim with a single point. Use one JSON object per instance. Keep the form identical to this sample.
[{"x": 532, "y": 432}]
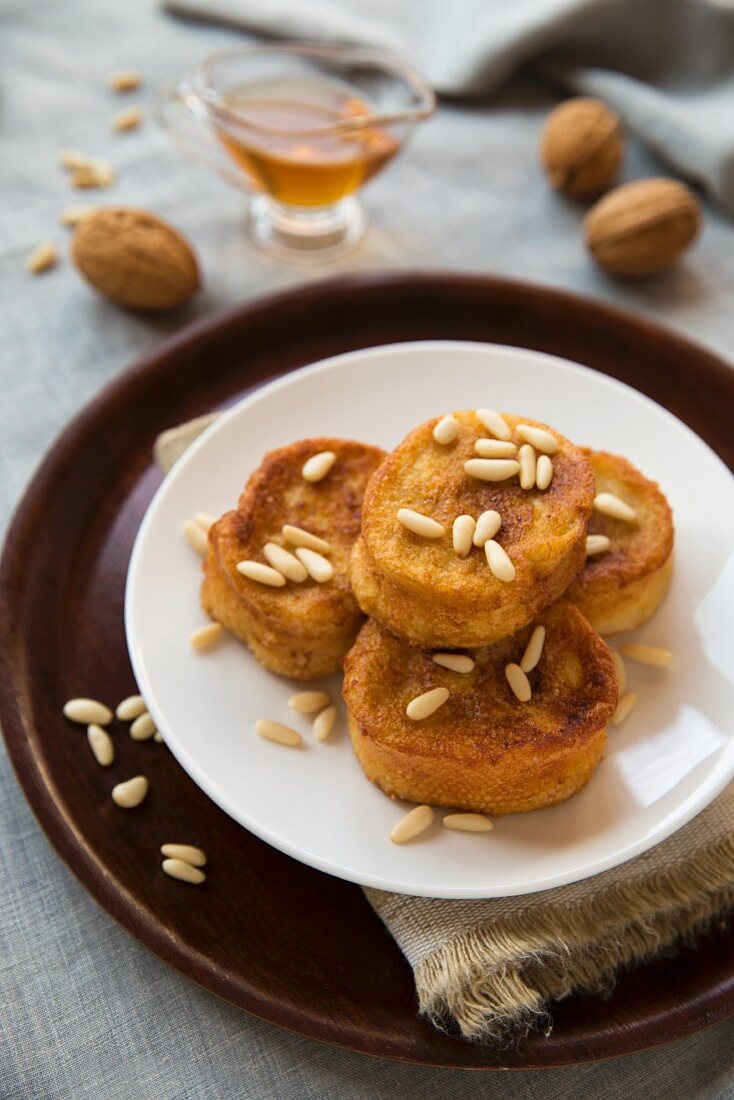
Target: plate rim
[
  {"x": 691, "y": 1012},
  {"x": 198, "y": 773}
]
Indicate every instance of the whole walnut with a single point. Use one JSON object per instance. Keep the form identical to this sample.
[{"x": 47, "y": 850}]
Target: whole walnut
[
  {"x": 582, "y": 147},
  {"x": 135, "y": 258},
  {"x": 642, "y": 228}
]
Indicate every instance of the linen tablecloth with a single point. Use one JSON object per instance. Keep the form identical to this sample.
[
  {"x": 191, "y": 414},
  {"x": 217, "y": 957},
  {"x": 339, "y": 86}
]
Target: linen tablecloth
[{"x": 87, "y": 1012}]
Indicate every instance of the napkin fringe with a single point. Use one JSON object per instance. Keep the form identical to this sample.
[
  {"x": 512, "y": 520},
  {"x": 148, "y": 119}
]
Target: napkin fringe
[{"x": 496, "y": 981}]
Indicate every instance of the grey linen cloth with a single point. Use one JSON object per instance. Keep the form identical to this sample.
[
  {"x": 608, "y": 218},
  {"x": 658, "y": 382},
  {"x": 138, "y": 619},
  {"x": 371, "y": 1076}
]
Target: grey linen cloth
[
  {"x": 667, "y": 66},
  {"x": 493, "y": 967},
  {"x": 87, "y": 1012}
]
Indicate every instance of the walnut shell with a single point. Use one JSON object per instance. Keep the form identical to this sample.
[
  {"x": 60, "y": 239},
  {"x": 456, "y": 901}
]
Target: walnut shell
[
  {"x": 582, "y": 147},
  {"x": 642, "y": 228},
  {"x": 135, "y": 258}
]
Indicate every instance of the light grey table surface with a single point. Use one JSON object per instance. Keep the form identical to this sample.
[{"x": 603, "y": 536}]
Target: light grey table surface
[{"x": 86, "y": 1011}]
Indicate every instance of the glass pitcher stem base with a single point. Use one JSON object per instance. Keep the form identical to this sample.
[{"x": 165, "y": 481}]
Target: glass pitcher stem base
[{"x": 310, "y": 236}]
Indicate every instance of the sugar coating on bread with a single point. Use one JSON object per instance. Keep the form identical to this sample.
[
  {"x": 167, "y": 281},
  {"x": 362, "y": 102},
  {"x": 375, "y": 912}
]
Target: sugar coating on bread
[
  {"x": 302, "y": 629},
  {"x": 621, "y": 588},
  {"x": 420, "y": 588},
  {"x": 483, "y": 750}
]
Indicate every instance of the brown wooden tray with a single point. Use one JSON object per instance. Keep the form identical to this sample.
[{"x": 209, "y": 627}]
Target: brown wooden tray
[{"x": 275, "y": 938}]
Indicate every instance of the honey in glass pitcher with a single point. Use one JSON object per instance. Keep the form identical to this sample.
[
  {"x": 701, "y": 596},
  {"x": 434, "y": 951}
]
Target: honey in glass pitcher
[{"x": 304, "y": 143}]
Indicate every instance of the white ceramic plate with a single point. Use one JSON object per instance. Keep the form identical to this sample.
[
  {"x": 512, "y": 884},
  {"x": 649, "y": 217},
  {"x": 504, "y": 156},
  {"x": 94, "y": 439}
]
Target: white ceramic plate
[{"x": 669, "y": 760}]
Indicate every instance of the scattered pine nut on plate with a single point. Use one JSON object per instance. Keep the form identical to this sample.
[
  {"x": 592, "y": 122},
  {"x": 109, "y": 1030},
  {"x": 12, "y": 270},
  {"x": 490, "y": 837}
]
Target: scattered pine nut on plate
[
  {"x": 124, "y": 80},
  {"x": 277, "y": 732},
  {"x": 468, "y": 823},
  {"x": 184, "y": 872},
  {"x": 131, "y": 707},
  {"x": 128, "y": 119},
  {"x": 206, "y": 636},
  {"x": 72, "y": 215},
  {"x": 102, "y": 745},
  {"x": 621, "y": 671},
  {"x": 205, "y": 520},
  {"x": 324, "y": 723},
  {"x": 187, "y": 853},
  {"x": 626, "y": 705},
  {"x": 308, "y": 702},
  {"x": 131, "y": 793},
  {"x": 196, "y": 537},
  {"x": 446, "y": 430},
  {"x": 143, "y": 728},
  {"x": 317, "y": 466},
  {"x": 43, "y": 257},
  {"x": 415, "y": 822},
  {"x": 87, "y": 712},
  {"x": 648, "y": 655}
]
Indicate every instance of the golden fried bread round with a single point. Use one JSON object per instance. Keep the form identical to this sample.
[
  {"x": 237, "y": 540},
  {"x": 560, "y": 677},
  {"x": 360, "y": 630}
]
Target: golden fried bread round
[
  {"x": 302, "y": 629},
  {"x": 483, "y": 750},
  {"x": 419, "y": 588},
  {"x": 621, "y": 588}
]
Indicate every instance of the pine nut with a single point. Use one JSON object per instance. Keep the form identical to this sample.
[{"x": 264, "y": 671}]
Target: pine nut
[
  {"x": 468, "y": 823},
  {"x": 610, "y": 505},
  {"x": 492, "y": 469},
  {"x": 187, "y": 853},
  {"x": 488, "y": 525},
  {"x": 196, "y": 537},
  {"x": 455, "y": 662},
  {"x": 131, "y": 707},
  {"x": 275, "y": 731},
  {"x": 263, "y": 574},
  {"x": 101, "y": 744},
  {"x": 648, "y": 655},
  {"x": 526, "y": 458},
  {"x": 206, "y": 636},
  {"x": 413, "y": 824},
  {"x": 494, "y": 423},
  {"x": 423, "y": 706},
  {"x": 43, "y": 257},
  {"x": 324, "y": 723},
  {"x": 184, "y": 872},
  {"x": 533, "y": 650},
  {"x": 296, "y": 536},
  {"x": 621, "y": 670},
  {"x": 88, "y": 712},
  {"x": 285, "y": 562},
  {"x": 462, "y": 534},
  {"x": 319, "y": 569},
  {"x": 495, "y": 448},
  {"x": 421, "y": 525},
  {"x": 499, "y": 561},
  {"x": 519, "y": 682},
  {"x": 205, "y": 521},
  {"x": 308, "y": 702},
  {"x": 72, "y": 158},
  {"x": 142, "y": 728},
  {"x": 124, "y": 80},
  {"x": 543, "y": 472},
  {"x": 72, "y": 215},
  {"x": 626, "y": 705},
  {"x": 131, "y": 793},
  {"x": 597, "y": 544},
  {"x": 93, "y": 173},
  {"x": 446, "y": 430},
  {"x": 127, "y": 119},
  {"x": 158, "y": 737},
  {"x": 539, "y": 438},
  {"x": 317, "y": 466}
]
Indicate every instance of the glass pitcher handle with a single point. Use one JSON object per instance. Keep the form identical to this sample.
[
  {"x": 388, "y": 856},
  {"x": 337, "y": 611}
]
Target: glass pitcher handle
[{"x": 180, "y": 111}]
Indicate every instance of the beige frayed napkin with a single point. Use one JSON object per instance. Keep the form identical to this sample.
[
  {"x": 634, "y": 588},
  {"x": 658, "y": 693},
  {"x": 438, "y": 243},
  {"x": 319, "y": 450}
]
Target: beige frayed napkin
[{"x": 491, "y": 968}]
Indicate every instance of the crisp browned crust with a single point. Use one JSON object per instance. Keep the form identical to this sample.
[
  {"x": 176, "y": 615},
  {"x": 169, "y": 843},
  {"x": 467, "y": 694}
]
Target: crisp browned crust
[
  {"x": 621, "y": 589},
  {"x": 419, "y": 588},
  {"x": 300, "y": 630},
  {"x": 483, "y": 750}
]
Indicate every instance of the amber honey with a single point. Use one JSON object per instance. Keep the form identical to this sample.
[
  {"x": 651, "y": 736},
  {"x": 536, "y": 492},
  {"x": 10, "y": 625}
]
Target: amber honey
[{"x": 306, "y": 170}]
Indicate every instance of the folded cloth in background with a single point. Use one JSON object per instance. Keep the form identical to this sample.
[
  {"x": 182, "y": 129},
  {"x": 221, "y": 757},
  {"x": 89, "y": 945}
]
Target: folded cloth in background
[
  {"x": 492, "y": 968},
  {"x": 667, "y": 66}
]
